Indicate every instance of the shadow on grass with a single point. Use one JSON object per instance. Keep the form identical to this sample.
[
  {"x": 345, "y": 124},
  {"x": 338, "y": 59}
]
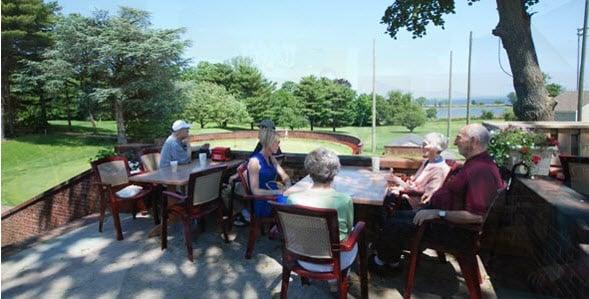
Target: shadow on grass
[
  {"x": 67, "y": 140},
  {"x": 236, "y": 129},
  {"x": 75, "y": 128},
  {"x": 326, "y": 130}
]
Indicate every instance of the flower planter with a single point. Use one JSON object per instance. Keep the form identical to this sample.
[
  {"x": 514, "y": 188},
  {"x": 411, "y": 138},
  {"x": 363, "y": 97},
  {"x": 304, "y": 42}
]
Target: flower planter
[{"x": 543, "y": 155}]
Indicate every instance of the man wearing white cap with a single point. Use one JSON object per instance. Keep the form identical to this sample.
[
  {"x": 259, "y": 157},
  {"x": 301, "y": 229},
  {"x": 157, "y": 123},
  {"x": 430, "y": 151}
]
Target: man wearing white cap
[{"x": 175, "y": 147}]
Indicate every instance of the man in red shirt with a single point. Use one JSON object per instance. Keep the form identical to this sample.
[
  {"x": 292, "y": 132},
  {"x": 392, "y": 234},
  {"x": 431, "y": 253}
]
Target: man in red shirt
[{"x": 463, "y": 198}]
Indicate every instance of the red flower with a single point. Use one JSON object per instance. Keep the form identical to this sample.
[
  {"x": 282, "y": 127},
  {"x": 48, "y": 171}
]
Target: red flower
[
  {"x": 524, "y": 150},
  {"x": 536, "y": 159},
  {"x": 553, "y": 141}
]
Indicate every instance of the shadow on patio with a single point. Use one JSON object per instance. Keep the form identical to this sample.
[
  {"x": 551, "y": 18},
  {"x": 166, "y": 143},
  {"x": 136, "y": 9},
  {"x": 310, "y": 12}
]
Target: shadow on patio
[{"x": 86, "y": 264}]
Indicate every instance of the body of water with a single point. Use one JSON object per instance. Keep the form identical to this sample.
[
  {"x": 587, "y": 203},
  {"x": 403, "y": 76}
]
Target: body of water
[{"x": 460, "y": 112}]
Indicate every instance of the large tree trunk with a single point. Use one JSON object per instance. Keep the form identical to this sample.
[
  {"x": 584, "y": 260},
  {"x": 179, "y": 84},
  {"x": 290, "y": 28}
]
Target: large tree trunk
[
  {"x": 92, "y": 121},
  {"x": 8, "y": 108},
  {"x": 528, "y": 81},
  {"x": 311, "y": 122},
  {"x": 121, "y": 136},
  {"x": 43, "y": 112},
  {"x": 68, "y": 108}
]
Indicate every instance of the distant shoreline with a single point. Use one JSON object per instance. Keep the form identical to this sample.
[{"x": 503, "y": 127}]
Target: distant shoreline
[{"x": 472, "y": 106}]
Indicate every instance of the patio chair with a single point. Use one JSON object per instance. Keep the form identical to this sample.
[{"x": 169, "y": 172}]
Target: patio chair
[
  {"x": 257, "y": 223},
  {"x": 116, "y": 191},
  {"x": 150, "y": 160},
  {"x": 467, "y": 259},
  {"x": 576, "y": 172},
  {"x": 312, "y": 235},
  {"x": 203, "y": 198}
]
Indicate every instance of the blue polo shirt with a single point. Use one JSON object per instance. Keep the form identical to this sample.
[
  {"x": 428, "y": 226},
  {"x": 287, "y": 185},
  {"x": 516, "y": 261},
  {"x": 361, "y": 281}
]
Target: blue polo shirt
[{"x": 173, "y": 150}]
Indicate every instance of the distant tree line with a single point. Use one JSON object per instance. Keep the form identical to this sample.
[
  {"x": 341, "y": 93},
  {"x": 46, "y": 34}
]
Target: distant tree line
[
  {"x": 76, "y": 67},
  {"x": 118, "y": 66}
]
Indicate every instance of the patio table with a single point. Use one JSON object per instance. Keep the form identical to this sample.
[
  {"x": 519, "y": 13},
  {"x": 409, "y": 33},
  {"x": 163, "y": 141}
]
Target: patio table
[
  {"x": 170, "y": 180},
  {"x": 165, "y": 176},
  {"x": 366, "y": 188}
]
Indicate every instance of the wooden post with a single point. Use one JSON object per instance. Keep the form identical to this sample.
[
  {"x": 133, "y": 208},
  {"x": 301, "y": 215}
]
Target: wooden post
[
  {"x": 582, "y": 68},
  {"x": 373, "y": 96},
  {"x": 450, "y": 97},
  {"x": 468, "y": 81}
]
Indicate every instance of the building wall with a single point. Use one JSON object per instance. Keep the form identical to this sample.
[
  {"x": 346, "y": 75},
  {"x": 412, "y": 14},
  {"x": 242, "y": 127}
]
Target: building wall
[
  {"x": 572, "y": 115},
  {"x": 565, "y": 116}
]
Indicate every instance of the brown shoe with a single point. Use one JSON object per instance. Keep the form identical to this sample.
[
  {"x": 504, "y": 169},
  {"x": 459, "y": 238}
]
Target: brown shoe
[{"x": 155, "y": 232}]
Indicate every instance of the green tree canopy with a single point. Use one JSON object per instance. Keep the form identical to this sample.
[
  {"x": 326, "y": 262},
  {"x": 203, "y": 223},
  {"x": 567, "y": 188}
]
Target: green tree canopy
[
  {"x": 412, "y": 117},
  {"x": 339, "y": 96},
  {"x": 287, "y": 109},
  {"x": 204, "y": 98},
  {"x": 396, "y": 104},
  {"x": 26, "y": 33},
  {"x": 138, "y": 62},
  {"x": 312, "y": 91}
]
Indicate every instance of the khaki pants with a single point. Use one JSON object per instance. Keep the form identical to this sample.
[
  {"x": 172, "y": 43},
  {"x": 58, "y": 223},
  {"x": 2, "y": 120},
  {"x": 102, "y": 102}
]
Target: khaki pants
[{"x": 238, "y": 204}]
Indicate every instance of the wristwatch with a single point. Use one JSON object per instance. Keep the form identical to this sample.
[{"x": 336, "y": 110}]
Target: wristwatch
[{"x": 442, "y": 214}]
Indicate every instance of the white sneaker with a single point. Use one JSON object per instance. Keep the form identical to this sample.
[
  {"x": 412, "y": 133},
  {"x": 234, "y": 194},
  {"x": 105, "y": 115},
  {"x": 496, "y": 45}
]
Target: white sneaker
[
  {"x": 246, "y": 215},
  {"x": 333, "y": 286}
]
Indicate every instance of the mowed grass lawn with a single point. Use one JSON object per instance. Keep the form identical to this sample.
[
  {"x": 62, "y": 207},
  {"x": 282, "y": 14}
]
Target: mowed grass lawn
[
  {"x": 384, "y": 135},
  {"x": 287, "y": 145},
  {"x": 32, "y": 164}
]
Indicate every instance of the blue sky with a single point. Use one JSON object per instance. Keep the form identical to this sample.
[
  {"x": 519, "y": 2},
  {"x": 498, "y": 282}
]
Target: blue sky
[{"x": 291, "y": 39}]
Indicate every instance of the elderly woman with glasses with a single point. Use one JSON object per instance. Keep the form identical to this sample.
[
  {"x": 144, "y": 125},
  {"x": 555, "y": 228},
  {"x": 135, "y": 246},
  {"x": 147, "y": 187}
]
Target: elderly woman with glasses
[
  {"x": 323, "y": 165},
  {"x": 428, "y": 178}
]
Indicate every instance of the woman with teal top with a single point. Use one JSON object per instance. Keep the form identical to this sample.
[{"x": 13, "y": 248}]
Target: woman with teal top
[
  {"x": 263, "y": 170},
  {"x": 323, "y": 165}
]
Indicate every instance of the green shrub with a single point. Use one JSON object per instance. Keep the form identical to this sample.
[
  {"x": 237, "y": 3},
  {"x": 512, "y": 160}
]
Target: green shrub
[
  {"x": 103, "y": 153},
  {"x": 411, "y": 117},
  {"x": 508, "y": 115},
  {"x": 432, "y": 113},
  {"x": 486, "y": 114}
]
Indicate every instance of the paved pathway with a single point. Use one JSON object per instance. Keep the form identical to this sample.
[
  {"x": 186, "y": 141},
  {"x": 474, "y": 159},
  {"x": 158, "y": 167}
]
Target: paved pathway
[{"x": 86, "y": 264}]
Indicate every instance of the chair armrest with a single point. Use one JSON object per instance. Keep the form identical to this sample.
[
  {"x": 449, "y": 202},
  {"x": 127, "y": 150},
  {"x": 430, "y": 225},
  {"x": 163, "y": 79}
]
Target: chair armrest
[
  {"x": 137, "y": 173},
  {"x": 411, "y": 193},
  {"x": 174, "y": 195},
  {"x": 261, "y": 197},
  {"x": 352, "y": 239},
  {"x": 414, "y": 244},
  {"x": 467, "y": 226}
]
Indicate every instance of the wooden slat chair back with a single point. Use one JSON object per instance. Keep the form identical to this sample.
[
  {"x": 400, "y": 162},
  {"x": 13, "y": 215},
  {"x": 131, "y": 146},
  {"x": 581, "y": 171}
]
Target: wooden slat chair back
[
  {"x": 203, "y": 198},
  {"x": 150, "y": 160},
  {"x": 308, "y": 235},
  {"x": 206, "y": 187},
  {"x": 576, "y": 172},
  {"x": 113, "y": 174},
  {"x": 312, "y": 235}
]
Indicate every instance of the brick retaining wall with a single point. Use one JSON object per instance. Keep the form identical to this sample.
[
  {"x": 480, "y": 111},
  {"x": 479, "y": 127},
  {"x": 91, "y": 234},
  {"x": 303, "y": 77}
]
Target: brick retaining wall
[
  {"x": 350, "y": 141},
  {"x": 55, "y": 207}
]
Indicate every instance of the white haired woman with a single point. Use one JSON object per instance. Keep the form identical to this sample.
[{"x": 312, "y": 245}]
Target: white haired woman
[
  {"x": 428, "y": 178},
  {"x": 323, "y": 165}
]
